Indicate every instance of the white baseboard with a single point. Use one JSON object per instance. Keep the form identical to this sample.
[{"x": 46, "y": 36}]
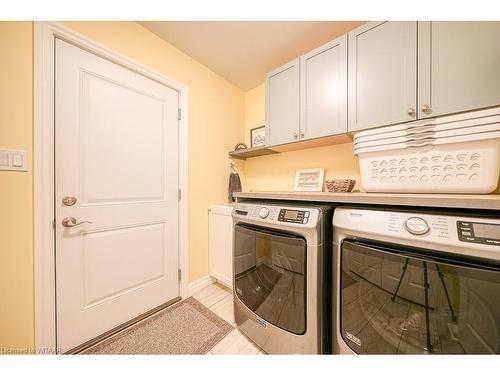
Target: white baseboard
[
  {"x": 224, "y": 280},
  {"x": 201, "y": 283}
]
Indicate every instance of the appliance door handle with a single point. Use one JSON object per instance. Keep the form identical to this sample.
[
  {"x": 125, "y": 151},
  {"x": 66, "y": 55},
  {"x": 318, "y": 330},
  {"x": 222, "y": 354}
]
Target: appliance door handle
[
  {"x": 261, "y": 230},
  {"x": 481, "y": 264}
]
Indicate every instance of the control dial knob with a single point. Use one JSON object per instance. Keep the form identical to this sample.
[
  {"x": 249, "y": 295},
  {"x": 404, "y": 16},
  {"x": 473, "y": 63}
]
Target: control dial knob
[
  {"x": 263, "y": 213},
  {"x": 416, "y": 225}
]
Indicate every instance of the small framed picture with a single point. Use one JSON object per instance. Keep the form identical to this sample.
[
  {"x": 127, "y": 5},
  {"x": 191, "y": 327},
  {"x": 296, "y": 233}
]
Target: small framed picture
[
  {"x": 258, "y": 136},
  {"x": 309, "y": 179}
]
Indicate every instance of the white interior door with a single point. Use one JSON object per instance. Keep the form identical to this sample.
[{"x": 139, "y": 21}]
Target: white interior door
[{"x": 117, "y": 154}]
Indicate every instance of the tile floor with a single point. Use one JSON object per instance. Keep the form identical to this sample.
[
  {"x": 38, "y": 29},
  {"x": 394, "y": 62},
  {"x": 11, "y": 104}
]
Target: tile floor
[{"x": 220, "y": 300}]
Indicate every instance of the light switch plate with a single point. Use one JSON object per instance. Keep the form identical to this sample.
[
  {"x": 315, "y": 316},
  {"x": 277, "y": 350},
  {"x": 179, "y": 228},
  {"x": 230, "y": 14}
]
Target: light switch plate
[
  {"x": 4, "y": 159},
  {"x": 13, "y": 160},
  {"x": 17, "y": 160}
]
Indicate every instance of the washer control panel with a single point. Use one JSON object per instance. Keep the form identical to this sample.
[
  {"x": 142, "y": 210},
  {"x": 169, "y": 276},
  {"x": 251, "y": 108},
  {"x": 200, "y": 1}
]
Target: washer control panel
[
  {"x": 485, "y": 233},
  {"x": 302, "y": 216},
  {"x": 293, "y": 216},
  {"x": 266, "y": 213},
  {"x": 474, "y": 236},
  {"x": 263, "y": 212},
  {"x": 416, "y": 225}
]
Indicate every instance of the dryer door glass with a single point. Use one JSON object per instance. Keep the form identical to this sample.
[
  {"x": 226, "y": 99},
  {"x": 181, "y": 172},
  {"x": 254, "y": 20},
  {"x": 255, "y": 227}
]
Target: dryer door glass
[
  {"x": 396, "y": 301},
  {"x": 269, "y": 275}
]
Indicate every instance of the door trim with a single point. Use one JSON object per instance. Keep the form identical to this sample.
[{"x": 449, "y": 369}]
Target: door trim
[{"x": 43, "y": 170}]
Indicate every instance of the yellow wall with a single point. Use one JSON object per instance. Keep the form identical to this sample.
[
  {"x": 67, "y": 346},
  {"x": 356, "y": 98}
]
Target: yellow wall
[
  {"x": 277, "y": 172},
  {"x": 216, "y": 110},
  {"x": 255, "y": 114},
  {"x": 16, "y": 188}
]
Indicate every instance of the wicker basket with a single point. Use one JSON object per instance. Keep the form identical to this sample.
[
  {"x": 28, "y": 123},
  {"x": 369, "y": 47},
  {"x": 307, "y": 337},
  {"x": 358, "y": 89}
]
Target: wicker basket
[{"x": 340, "y": 186}]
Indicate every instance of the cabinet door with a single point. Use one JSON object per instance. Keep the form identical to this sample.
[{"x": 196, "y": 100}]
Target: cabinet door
[
  {"x": 220, "y": 235},
  {"x": 382, "y": 74},
  {"x": 323, "y": 86},
  {"x": 282, "y": 104},
  {"x": 459, "y": 66}
]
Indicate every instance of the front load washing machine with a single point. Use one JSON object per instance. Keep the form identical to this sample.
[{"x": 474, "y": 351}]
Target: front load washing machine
[
  {"x": 282, "y": 275},
  {"x": 416, "y": 282}
]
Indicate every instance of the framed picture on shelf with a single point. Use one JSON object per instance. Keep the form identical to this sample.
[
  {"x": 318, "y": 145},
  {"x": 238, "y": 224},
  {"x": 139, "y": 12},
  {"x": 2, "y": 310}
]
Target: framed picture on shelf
[
  {"x": 309, "y": 179},
  {"x": 258, "y": 137}
]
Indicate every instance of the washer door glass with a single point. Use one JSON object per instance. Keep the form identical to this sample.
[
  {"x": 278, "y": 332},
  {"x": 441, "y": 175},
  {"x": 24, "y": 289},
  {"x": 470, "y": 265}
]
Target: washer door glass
[
  {"x": 396, "y": 301},
  {"x": 269, "y": 275}
]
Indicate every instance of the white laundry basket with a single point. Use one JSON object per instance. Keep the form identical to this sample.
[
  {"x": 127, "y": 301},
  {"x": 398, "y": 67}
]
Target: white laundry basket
[{"x": 438, "y": 156}]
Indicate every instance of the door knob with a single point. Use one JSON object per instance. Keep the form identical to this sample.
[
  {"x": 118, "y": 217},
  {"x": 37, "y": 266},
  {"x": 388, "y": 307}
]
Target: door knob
[
  {"x": 70, "y": 222},
  {"x": 426, "y": 108},
  {"x": 411, "y": 111}
]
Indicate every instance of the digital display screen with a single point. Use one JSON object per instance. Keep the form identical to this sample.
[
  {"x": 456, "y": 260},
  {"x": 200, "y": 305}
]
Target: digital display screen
[
  {"x": 291, "y": 214},
  {"x": 487, "y": 231}
]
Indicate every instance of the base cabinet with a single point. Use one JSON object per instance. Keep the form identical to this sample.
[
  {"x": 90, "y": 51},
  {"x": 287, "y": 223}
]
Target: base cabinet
[{"x": 220, "y": 246}]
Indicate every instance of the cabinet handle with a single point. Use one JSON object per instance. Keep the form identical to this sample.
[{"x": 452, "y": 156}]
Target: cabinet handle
[
  {"x": 411, "y": 111},
  {"x": 426, "y": 108},
  {"x": 301, "y": 134},
  {"x": 295, "y": 135}
]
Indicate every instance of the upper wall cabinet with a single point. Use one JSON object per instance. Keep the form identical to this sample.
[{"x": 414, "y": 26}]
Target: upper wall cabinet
[
  {"x": 391, "y": 73},
  {"x": 323, "y": 87},
  {"x": 382, "y": 74},
  {"x": 458, "y": 66},
  {"x": 282, "y": 104}
]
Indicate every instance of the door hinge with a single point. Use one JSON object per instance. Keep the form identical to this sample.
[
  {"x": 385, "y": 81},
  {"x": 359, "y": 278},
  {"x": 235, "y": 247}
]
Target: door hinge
[
  {"x": 179, "y": 114},
  {"x": 180, "y": 274},
  {"x": 54, "y": 224},
  {"x": 179, "y": 194}
]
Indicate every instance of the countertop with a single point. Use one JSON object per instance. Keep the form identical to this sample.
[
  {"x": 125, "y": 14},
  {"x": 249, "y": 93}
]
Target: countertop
[{"x": 480, "y": 202}]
